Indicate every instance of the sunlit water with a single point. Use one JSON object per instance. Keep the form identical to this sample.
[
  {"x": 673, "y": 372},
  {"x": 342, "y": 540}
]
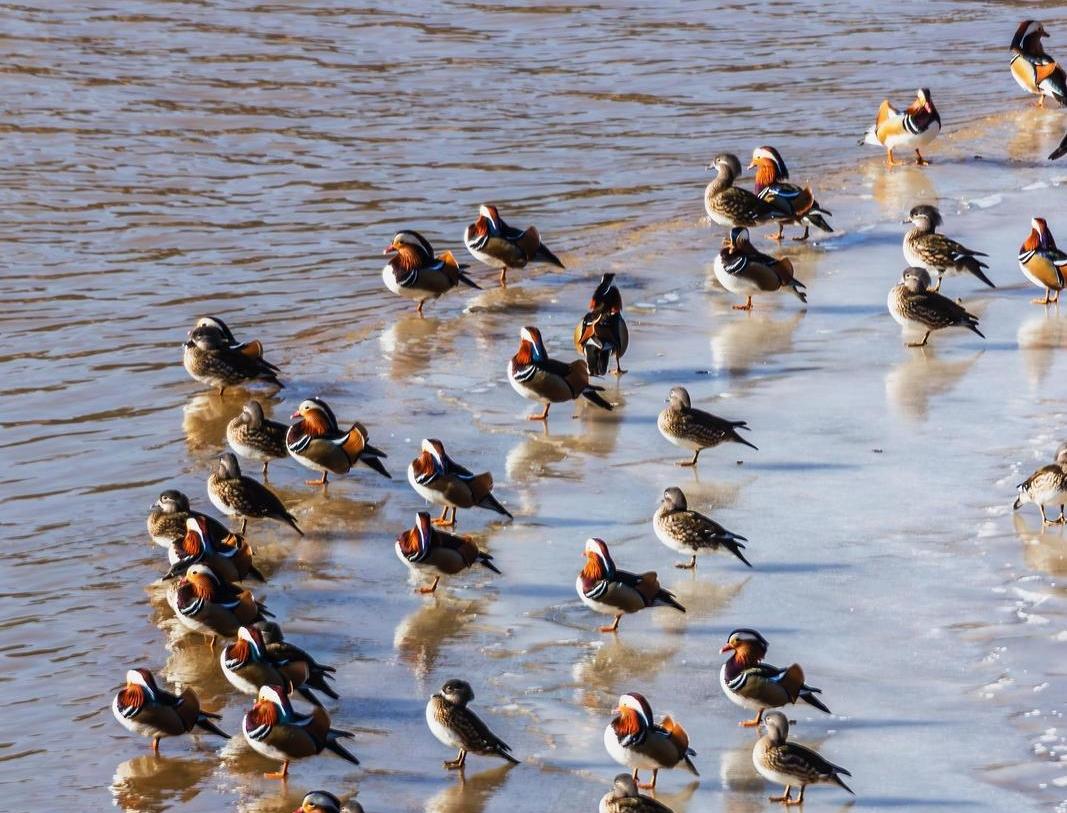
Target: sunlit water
[{"x": 165, "y": 160}]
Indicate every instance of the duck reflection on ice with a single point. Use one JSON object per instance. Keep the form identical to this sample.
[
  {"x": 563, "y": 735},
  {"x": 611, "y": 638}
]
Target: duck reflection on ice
[
  {"x": 1039, "y": 339},
  {"x": 614, "y": 666},
  {"x": 438, "y": 620},
  {"x": 741, "y": 343},
  {"x": 469, "y": 794},
  {"x": 911, "y": 383},
  {"x": 152, "y": 783},
  {"x": 406, "y": 344},
  {"x": 1044, "y": 547}
]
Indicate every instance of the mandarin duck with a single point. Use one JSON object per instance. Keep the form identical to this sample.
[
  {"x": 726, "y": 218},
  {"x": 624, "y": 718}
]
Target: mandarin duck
[
  {"x": 439, "y": 479},
  {"x": 605, "y": 589},
  {"x": 1041, "y": 262},
  {"x": 272, "y": 728},
  {"x": 453, "y": 723},
  {"x": 1046, "y": 486},
  {"x": 690, "y": 532},
  {"x": 786, "y": 763},
  {"x": 602, "y": 333},
  {"x": 798, "y": 206},
  {"x": 144, "y": 708},
  {"x": 250, "y": 662},
  {"x": 168, "y": 515},
  {"x": 238, "y": 496},
  {"x": 730, "y": 205},
  {"x": 254, "y": 437},
  {"x": 535, "y": 376},
  {"x": 635, "y": 740},
  {"x": 426, "y": 550},
  {"x": 413, "y": 271},
  {"x": 493, "y": 242},
  {"x": 913, "y": 129},
  {"x": 750, "y": 683},
  {"x": 1034, "y": 70},
  {"x": 204, "y": 603},
  {"x": 913, "y": 305},
  {"x": 230, "y": 557},
  {"x": 213, "y": 357},
  {"x": 744, "y": 270},
  {"x": 624, "y": 797},
  {"x": 319, "y": 801},
  {"x": 695, "y": 429},
  {"x": 925, "y": 248},
  {"x": 316, "y": 441}
]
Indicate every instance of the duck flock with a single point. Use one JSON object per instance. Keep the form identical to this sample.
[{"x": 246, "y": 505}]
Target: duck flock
[{"x": 210, "y": 564}]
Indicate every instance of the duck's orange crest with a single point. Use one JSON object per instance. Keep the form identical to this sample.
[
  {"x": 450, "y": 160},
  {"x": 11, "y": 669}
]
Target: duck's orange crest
[
  {"x": 766, "y": 173},
  {"x": 201, "y": 586}
]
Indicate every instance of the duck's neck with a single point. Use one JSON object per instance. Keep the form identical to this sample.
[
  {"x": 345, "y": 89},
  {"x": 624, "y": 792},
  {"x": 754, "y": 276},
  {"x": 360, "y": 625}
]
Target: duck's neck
[{"x": 721, "y": 182}]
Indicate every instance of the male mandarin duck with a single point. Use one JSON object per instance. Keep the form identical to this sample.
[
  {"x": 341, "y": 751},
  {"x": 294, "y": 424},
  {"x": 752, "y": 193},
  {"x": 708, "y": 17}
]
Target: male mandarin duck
[
  {"x": 452, "y": 722},
  {"x": 273, "y": 729},
  {"x": 786, "y": 763},
  {"x": 913, "y": 129},
  {"x": 436, "y": 477},
  {"x": 316, "y": 441},
  {"x": 752, "y": 684},
  {"x": 204, "y": 603},
  {"x": 276, "y": 642},
  {"x": 144, "y": 708},
  {"x": 690, "y": 428},
  {"x": 605, "y": 589},
  {"x": 1046, "y": 486},
  {"x": 167, "y": 518},
  {"x": 913, "y": 305},
  {"x": 230, "y": 557},
  {"x": 690, "y": 532},
  {"x": 254, "y": 437},
  {"x": 535, "y": 376},
  {"x": 319, "y": 801},
  {"x": 493, "y": 242},
  {"x": 730, "y": 205},
  {"x": 238, "y": 496},
  {"x": 413, "y": 271},
  {"x": 925, "y": 248},
  {"x": 796, "y": 204},
  {"x": 744, "y": 270},
  {"x": 634, "y": 739},
  {"x": 624, "y": 797},
  {"x": 212, "y": 356},
  {"x": 602, "y": 333},
  {"x": 250, "y": 662},
  {"x": 1041, "y": 262},
  {"x": 1034, "y": 70},
  {"x": 424, "y": 549}
]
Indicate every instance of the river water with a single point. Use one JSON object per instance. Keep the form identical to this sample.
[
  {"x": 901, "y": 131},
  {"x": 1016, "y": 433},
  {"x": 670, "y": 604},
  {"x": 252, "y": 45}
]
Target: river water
[{"x": 164, "y": 160}]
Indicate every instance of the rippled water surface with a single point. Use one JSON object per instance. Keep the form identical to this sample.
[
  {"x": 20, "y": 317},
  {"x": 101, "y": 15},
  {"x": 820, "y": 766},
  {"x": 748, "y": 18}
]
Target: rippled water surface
[{"x": 164, "y": 160}]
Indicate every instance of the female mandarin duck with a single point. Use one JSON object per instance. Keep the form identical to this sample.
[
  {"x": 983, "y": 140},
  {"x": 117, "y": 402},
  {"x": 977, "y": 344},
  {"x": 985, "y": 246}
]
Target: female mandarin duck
[
  {"x": 319, "y": 801},
  {"x": 535, "y": 376},
  {"x": 229, "y": 558},
  {"x": 316, "y": 441},
  {"x": 236, "y": 495},
  {"x": 206, "y": 604},
  {"x": 254, "y": 437},
  {"x": 168, "y": 515},
  {"x": 452, "y": 721},
  {"x": 786, "y": 763},
  {"x": 690, "y": 532},
  {"x": 1034, "y": 70},
  {"x": 797, "y": 205},
  {"x": 273, "y": 729},
  {"x": 624, "y": 797},
  {"x": 730, "y": 205},
  {"x": 602, "y": 333},
  {"x": 1046, "y": 486},
  {"x": 913, "y": 305},
  {"x": 604, "y": 588},
  {"x": 436, "y": 477},
  {"x": 913, "y": 129},
  {"x": 752, "y": 684},
  {"x": 493, "y": 242},
  {"x": 690, "y": 428},
  {"x": 424, "y": 549},
  {"x": 250, "y": 662},
  {"x": 413, "y": 270},
  {"x": 144, "y": 708},
  {"x": 1041, "y": 262},
  {"x": 634, "y": 739},
  {"x": 925, "y": 248},
  {"x": 742, "y": 269},
  {"x": 213, "y": 357}
]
